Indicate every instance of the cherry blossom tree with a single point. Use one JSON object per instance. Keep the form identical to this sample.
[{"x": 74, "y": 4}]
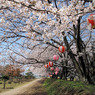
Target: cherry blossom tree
[{"x": 55, "y": 23}]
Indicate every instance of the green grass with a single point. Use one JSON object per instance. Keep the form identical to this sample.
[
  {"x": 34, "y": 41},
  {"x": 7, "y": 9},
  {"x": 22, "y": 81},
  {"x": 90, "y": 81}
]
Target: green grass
[
  {"x": 62, "y": 87},
  {"x": 12, "y": 85}
]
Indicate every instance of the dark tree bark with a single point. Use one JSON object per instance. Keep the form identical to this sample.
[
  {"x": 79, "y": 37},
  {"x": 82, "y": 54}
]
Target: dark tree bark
[
  {"x": 4, "y": 84},
  {"x": 82, "y": 65},
  {"x": 70, "y": 53}
]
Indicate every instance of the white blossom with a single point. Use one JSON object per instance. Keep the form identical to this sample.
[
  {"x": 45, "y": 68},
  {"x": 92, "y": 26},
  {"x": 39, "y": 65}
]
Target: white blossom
[
  {"x": 89, "y": 27},
  {"x": 49, "y": 35},
  {"x": 2, "y": 20},
  {"x": 44, "y": 36}
]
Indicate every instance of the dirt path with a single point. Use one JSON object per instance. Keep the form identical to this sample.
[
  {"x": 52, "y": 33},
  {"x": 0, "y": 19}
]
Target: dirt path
[{"x": 32, "y": 88}]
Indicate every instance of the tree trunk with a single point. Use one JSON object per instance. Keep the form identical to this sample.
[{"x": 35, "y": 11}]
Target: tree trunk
[
  {"x": 70, "y": 53},
  {"x": 4, "y": 84},
  {"x": 62, "y": 73}
]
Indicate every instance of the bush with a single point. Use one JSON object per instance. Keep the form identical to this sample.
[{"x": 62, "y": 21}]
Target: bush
[
  {"x": 9, "y": 82},
  {"x": 5, "y": 77}
]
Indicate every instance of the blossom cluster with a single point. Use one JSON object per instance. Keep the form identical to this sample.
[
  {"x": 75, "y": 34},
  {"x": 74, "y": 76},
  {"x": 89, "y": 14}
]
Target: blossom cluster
[{"x": 24, "y": 16}]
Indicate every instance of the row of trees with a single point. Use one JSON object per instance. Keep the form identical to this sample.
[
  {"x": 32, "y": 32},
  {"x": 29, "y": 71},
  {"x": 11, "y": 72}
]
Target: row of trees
[
  {"x": 31, "y": 23},
  {"x": 14, "y": 73},
  {"x": 11, "y": 70}
]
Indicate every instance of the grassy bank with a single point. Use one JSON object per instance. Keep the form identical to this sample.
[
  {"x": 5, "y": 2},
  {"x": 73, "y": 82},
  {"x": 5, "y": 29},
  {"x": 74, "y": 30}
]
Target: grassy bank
[{"x": 62, "y": 87}]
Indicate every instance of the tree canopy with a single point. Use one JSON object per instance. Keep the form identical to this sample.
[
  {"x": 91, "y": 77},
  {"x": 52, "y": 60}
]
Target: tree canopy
[{"x": 26, "y": 24}]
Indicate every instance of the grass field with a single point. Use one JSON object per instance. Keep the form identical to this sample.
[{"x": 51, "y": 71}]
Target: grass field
[
  {"x": 12, "y": 85},
  {"x": 62, "y": 87}
]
